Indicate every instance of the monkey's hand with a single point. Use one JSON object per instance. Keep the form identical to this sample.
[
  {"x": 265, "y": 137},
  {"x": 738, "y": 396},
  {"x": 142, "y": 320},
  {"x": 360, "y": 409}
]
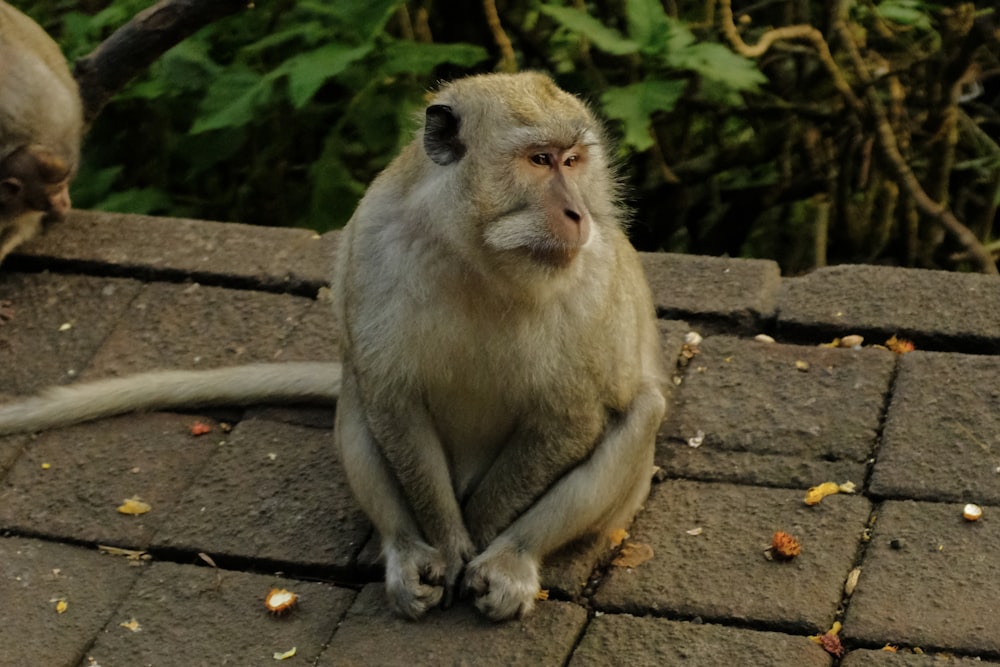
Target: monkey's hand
[
  {"x": 504, "y": 581},
  {"x": 416, "y": 575}
]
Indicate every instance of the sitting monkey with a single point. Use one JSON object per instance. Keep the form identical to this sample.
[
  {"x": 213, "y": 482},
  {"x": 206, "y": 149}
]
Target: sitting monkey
[{"x": 502, "y": 377}]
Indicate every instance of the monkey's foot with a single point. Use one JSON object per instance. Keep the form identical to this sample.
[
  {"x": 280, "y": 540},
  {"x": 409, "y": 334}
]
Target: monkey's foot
[
  {"x": 414, "y": 577},
  {"x": 504, "y": 582}
]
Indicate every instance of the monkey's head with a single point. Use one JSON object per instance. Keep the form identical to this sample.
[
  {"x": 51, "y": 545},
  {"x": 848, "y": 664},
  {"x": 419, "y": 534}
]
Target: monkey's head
[
  {"x": 531, "y": 160},
  {"x": 34, "y": 180}
]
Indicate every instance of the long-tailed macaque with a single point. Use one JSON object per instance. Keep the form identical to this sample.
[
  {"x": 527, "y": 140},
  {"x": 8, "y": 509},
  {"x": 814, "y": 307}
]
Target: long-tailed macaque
[
  {"x": 41, "y": 123},
  {"x": 501, "y": 384}
]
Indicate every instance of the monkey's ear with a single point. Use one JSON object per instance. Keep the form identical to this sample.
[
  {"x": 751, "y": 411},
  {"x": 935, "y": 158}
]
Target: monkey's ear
[{"x": 441, "y": 140}]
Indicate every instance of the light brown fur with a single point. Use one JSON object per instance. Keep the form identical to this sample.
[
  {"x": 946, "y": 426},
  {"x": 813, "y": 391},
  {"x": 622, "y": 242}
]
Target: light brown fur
[{"x": 41, "y": 123}]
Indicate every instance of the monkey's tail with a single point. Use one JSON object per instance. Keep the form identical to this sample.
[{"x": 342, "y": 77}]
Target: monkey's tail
[{"x": 163, "y": 390}]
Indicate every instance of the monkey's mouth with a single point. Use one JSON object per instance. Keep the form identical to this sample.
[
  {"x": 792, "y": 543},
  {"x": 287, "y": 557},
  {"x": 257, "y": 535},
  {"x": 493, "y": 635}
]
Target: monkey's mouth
[{"x": 557, "y": 255}]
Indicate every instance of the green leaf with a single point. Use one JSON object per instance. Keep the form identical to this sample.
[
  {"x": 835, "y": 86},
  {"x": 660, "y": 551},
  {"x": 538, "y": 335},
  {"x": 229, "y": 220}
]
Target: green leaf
[
  {"x": 365, "y": 18},
  {"x": 416, "y": 58},
  {"x": 717, "y": 64},
  {"x": 647, "y": 23},
  {"x": 606, "y": 39},
  {"x": 234, "y": 100},
  {"x": 307, "y": 72},
  {"x": 137, "y": 200},
  {"x": 905, "y": 12},
  {"x": 634, "y": 106}
]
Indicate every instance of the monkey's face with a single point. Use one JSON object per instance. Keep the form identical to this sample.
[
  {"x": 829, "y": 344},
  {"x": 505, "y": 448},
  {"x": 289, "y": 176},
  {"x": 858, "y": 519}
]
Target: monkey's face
[
  {"x": 34, "y": 180},
  {"x": 532, "y": 159}
]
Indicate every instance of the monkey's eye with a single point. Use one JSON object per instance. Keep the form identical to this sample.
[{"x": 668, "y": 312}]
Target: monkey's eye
[
  {"x": 541, "y": 159},
  {"x": 571, "y": 161}
]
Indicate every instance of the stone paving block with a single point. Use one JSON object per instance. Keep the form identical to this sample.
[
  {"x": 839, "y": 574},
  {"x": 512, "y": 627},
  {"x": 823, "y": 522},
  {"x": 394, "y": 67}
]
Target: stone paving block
[
  {"x": 937, "y": 309},
  {"x": 766, "y": 421},
  {"x": 273, "y": 491},
  {"x": 614, "y": 640},
  {"x": 192, "y": 326},
  {"x": 942, "y": 430},
  {"x": 712, "y": 290},
  {"x": 281, "y": 258},
  {"x": 371, "y": 635},
  {"x": 11, "y": 447},
  {"x": 939, "y": 590},
  {"x": 722, "y": 574},
  {"x": 54, "y": 325},
  {"x": 900, "y": 659},
  {"x": 34, "y": 576},
  {"x": 191, "y": 615},
  {"x": 93, "y": 468}
]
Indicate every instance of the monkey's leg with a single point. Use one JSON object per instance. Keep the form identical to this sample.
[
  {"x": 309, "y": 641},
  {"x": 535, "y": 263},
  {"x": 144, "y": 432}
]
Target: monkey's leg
[
  {"x": 418, "y": 575},
  {"x": 608, "y": 485}
]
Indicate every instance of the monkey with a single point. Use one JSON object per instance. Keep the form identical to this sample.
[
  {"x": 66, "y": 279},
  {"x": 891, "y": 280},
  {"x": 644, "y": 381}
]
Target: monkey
[
  {"x": 41, "y": 126},
  {"x": 501, "y": 379}
]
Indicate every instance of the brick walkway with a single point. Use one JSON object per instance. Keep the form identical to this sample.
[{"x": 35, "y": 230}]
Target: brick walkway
[{"x": 267, "y": 503}]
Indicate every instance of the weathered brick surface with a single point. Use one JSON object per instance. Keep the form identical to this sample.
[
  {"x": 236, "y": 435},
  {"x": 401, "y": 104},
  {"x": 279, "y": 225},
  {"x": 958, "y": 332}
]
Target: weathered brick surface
[
  {"x": 93, "y": 468},
  {"x": 630, "y": 641},
  {"x": 776, "y": 414},
  {"x": 929, "y": 579},
  {"x": 369, "y": 635},
  {"x": 272, "y": 491},
  {"x": 942, "y": 431},
  {"x": 54, "y": 324},
  {"x": 34, "y": 576},
  {"x": 721, "y": 573},
  {"x": 192, "y": 326},
  {"x": 740, "y": 293},
  {"x": 270, "y": 257},
  {"x": 271, "y": 495},
  {"x": 190, "y": 615},
  {"x": 937, "y": 309}
]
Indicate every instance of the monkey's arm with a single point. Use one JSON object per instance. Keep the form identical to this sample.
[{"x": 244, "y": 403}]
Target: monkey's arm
[
  {"x": 604, "y": 490},
  {"x": 161, "y": 390},
  {"x": 398, "y": 472}
]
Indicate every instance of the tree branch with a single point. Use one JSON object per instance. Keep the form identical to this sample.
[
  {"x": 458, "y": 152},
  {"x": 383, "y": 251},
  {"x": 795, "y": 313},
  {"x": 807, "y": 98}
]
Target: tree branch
[{"x": 133, "y": 47}]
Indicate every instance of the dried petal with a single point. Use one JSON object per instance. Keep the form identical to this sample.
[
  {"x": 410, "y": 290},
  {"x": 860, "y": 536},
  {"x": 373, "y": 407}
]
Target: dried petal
[
  {"x": 286, "y": 655},
  {"x": 784, "y": 546}
]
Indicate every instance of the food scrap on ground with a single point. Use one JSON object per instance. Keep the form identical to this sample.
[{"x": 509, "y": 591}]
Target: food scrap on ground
[
  {"x": 617, "y": 536},
  {"x": 830, "y": 641},
  {"x": 852, "y": 341},
  {"x": 61, "y": 606},
  {"x": 633, "y": 554},
  {"x": 130, "y": 554},
  {"x": 200, "y": 428},
  {"x": 972, "y": 512},
  {"x": 818, "y": 493},
  {"x": 134, "y": 507},
  {"x": 852, "y": 581},
  {"x": 784, "y": 546},
  {"x": 279, "y": 600},
  {"x": 131, "y": 625},
  {"x": 286, "y": 655},
  {"x": 900, "y": 345}
]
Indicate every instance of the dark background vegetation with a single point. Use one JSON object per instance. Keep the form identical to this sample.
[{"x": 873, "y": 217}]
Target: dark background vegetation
[{"x": 810, "y": 132}]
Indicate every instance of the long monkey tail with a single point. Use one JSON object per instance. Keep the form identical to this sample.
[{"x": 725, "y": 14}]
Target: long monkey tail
[{"x": 285, "y": 382}]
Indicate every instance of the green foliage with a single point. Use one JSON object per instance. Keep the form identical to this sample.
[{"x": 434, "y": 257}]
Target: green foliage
[{"x": 282, "y": 114}]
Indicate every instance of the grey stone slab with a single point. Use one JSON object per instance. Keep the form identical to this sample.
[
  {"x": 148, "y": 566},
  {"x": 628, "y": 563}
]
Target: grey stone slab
[
  {"x": 766, "y": 421},
  {"x": 193, "y": 326},
  {"x": 615, "y": 640},
  {"x": 214, "y": 252},
  {"x": 903, "y": 658},
  {"x": 190, "y": 615},
  {"x": 34, "y": 576},
  {"x": 274, "y": 491},
  {"x": 69, "y": 482},
  {"x": 11, "y": 447},
  {"x": 713, "y": 291},
  {"x": 942, "y": 430},
  {"x": 722, "y": 574},
  {"x": 371, "y": 635},
  {"x": 939, "y": 590},
  {"x": 54, "y": 324},
  {"x": 937, "y": 309}
]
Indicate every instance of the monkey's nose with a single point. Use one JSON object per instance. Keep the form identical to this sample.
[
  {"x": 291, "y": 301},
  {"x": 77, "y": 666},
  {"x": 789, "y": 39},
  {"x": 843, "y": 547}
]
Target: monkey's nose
[{"x": 573, "y": 215}]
